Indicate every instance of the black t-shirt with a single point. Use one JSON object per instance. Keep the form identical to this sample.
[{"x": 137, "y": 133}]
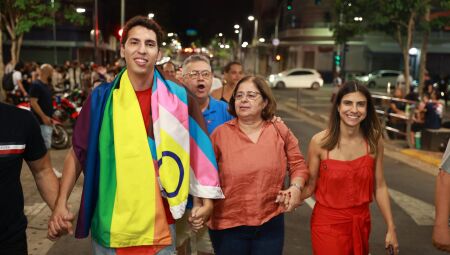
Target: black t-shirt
[
  {"x": 43, "y": 94},
  {"x": 432, "y": 119},
  {"x": 20, "y": 138}
]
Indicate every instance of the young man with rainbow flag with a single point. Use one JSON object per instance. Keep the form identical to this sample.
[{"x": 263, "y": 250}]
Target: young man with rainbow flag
[{"x": 143, "y": 145}]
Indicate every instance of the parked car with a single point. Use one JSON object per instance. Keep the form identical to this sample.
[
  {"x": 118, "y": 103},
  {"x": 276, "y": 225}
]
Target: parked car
[
  {"x": 297, "y": 78},
  {"x": 380, "y": 78}
]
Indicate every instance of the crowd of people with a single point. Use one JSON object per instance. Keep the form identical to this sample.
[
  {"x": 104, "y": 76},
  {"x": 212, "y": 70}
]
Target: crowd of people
[
  {"x": 68, "y": 77},
  {"x": 426, "y": 112},
  {"x": 165, "y": 162}
]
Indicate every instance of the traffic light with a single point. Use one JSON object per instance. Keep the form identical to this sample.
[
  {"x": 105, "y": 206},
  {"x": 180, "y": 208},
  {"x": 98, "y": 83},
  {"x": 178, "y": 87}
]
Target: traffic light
[
  {"x": 337, "y": 59},
  {"x": 289, "y": 5},
  {"x": 278, "y": 57}
]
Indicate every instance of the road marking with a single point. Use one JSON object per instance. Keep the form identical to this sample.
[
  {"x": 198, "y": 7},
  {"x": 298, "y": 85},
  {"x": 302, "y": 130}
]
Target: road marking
[
  {"x": 32, "y": 210},
  {"x": 421, "y": 212}
]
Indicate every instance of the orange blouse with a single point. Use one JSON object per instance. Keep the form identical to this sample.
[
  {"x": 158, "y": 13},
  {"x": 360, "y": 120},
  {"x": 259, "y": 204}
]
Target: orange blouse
[{"x": 251, "y": 174}]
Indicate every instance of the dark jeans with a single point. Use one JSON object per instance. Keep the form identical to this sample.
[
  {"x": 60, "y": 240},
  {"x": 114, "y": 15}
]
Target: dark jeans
[
  {"x": 16, "y": 247},
  {"x": 246, "y": 240}
]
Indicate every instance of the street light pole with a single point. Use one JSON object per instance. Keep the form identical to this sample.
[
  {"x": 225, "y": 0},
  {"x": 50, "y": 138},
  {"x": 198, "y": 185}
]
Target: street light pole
[
  {"x": 96, "y": 32},
  {"x": 55, "y": 53},
  {"x": 238, "y": 30},
  {"x": 239, "y": 45},
  {"x": 122, "y": 13},
  {"x": 255, "y": 42}
]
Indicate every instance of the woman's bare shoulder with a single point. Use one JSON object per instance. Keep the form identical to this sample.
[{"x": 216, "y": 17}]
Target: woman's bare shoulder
[{"x": 319, "y": 137}]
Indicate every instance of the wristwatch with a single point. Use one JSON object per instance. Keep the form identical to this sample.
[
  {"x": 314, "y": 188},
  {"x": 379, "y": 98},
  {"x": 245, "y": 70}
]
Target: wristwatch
[{"x": 297, "y": 186}]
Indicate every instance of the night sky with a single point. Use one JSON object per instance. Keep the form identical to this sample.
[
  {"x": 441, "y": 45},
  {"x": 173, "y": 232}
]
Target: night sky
[{"x": 208, "y": 17}]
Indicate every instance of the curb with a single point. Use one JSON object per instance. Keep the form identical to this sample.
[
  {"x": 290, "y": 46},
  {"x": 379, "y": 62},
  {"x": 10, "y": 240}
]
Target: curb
[
  {"x": 411, "y": 157},
  {"x": 418, "y": 155}
]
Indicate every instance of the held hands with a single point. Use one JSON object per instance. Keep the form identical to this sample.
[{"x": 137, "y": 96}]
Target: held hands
[
  {"x": 289, "y": 198},
  {"x": 391, "y": 240},
  {"x": 60, "y": 223},
  {"x": 200, "y": 215}
]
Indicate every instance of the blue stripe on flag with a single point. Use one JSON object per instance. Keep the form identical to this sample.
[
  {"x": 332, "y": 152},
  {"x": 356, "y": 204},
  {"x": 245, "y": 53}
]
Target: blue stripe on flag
[
  {"x": 152, "y": 145},
  {"x": 202, "y": 140},
  {"x": 177, "y": 90}
]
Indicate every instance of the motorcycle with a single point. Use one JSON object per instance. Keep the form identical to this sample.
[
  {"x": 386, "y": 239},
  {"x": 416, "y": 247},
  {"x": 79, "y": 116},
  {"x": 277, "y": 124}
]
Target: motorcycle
[
  {"x": 65, "y": 110},
  {"x": 60, "y": 136}
]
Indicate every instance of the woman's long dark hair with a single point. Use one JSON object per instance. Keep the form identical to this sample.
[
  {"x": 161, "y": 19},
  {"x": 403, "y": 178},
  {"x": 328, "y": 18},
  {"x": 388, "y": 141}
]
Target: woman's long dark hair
[{"x": 370, "y": 126}]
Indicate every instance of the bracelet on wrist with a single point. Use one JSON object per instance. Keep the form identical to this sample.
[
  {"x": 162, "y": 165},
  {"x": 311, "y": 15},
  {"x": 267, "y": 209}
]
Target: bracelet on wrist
[{"x": 297, "y": 186}]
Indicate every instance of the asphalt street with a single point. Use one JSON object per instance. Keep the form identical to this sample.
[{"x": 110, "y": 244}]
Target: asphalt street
[{"x": 411, "y": 190}]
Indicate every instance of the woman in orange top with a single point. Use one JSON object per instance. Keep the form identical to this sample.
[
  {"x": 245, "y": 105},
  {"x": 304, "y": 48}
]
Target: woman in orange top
[
  {"x": 252, "y": 155},
  {"x": 346, "y": 164}
]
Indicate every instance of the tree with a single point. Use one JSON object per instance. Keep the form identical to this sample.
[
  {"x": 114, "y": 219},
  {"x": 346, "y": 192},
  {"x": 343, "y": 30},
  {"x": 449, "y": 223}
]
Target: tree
[
  {"x": 393, "y": 17},
  {"x": 20, "y": 16},
  {"x": 436, "y": 21}
]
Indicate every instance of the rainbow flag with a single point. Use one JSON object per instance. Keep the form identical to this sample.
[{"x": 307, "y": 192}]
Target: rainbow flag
[{"x": 127, "y": 172}]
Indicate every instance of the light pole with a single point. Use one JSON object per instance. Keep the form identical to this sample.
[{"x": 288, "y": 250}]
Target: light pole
[
  {"x": 122, "y": 13},
  {"x": 55, "y": 54},
  {"x": 238, "y": 30},
  {"x": 96, "y": 32},
  {"x": 255, "y": 42}
]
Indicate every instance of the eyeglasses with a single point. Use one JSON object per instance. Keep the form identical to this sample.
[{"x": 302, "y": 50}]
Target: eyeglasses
[
  {"x": 250, "y": 95},
  {"x": 196, "y": 74}
]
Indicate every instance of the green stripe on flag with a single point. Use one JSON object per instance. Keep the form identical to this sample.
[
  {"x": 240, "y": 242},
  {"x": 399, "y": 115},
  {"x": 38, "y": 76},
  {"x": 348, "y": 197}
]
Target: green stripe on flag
[{"x": 101, "y": 222}]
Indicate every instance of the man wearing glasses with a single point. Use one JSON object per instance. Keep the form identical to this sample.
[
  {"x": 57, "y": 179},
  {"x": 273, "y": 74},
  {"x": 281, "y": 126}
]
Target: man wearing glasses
[{"x": 198, "y": 78}]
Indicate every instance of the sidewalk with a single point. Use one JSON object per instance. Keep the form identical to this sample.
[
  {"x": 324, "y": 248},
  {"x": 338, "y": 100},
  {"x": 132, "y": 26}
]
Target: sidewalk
[{"x": 316, "y": 105}]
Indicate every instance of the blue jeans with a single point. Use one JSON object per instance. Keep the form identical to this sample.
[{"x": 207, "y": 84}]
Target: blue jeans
[
  {"x": 169, "y": 250},
  {"x": 46, "y": 132},
  {"x": 248, "y": 240}
]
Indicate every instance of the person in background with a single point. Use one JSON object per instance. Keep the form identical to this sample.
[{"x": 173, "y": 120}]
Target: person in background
[
  {"x": 169, "y": 70},
  {"x": 197, "y": 77},
  {"x": 250, "y": 219},
  {"x": 441, "y": 230},
  {"x": 433, "y": 112},
  {"x": 58, "y": 79},
  {"x": 232, "y": 73},
  {"x": 401, "y": 82},
  {"x": 17, "y": 79},
  {"x": 412, "y": 95},
  {"x": 9, "y": 67},
  {"x": 216, "y": 83},
  {"x": 346, "y": 168},
  {"x": 74, "y": 75},
  {"x": 42, "y": 104},
  {"x": 419, "y": 117},
  {"x": 20, "y": 139},
  {"x": 100, "y": 75},
  {"x": 337, "y": 83}
]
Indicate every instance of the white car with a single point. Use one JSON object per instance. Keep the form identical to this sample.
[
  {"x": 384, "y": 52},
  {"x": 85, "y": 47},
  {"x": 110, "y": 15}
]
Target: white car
[
  {"x": 297, "y": 78},
  {"x": 380, "y": 78}
]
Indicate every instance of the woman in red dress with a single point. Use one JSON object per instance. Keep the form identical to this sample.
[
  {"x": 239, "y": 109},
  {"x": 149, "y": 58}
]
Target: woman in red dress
[{"x": 346, "y": 171}]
